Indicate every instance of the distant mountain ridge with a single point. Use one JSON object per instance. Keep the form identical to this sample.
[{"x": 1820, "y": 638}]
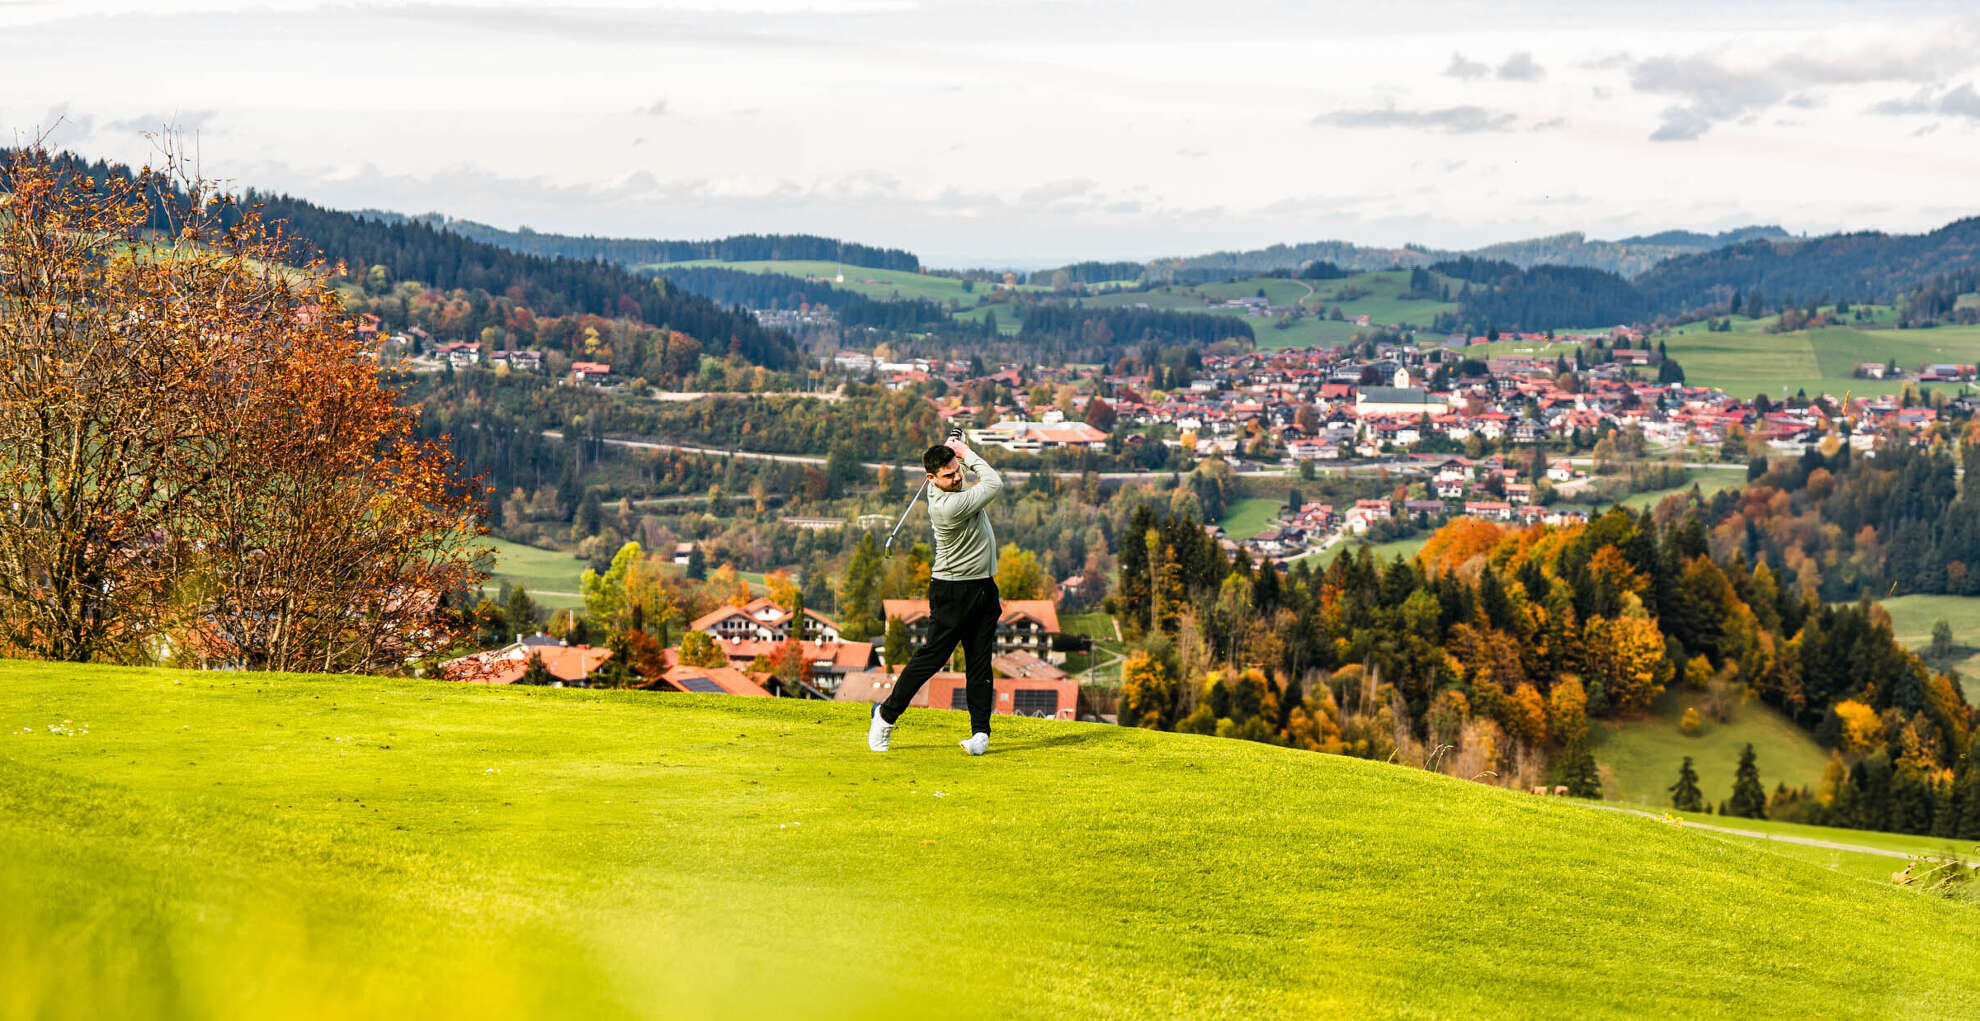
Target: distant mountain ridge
[
  {"x": 1628, "y": 257},
  {"x": 1759, "y": 275}
]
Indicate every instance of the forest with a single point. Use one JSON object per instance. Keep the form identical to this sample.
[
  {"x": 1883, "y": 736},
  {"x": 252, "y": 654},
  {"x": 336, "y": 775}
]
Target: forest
[
  {"x": 632, "y": 252},
  {"x": 1842, "y": 526},
  {"x": 382, "y": 254},
  {"x": 1487, "y": 656}
]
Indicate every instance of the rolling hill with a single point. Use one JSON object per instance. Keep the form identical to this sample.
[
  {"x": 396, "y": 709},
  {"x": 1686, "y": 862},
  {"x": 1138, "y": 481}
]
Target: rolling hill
[{"x": 188, "y": 844}]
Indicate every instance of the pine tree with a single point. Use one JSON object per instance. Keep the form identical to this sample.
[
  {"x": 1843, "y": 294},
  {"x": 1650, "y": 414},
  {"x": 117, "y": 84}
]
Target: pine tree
[
  {"x": 520, "y": 612},
  {"x": 1749, "y": 799},
  {"x": 535, "y": 672},
  {"x": 1685, "y": 796},
  {"x": 1577, "y": 771},
  {"x": 895, "y": 649}
]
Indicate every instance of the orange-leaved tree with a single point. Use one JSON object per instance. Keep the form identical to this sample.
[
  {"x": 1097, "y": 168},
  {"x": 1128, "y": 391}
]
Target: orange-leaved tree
[{"x": 199, "y": 463}]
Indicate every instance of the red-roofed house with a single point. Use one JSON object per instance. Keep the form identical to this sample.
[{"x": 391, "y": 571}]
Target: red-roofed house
[
  {"x": 762, "y": 620},
  {"x": 569, "y": 664},
  {"x": 721, "y": 680}
]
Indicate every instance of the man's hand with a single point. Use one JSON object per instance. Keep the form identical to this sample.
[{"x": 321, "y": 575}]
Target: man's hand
[{"x": 962, "y": 449}]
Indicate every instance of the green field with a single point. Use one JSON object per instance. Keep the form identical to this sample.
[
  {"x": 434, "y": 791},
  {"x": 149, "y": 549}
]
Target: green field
[
  {"x": 1708, "y": 480},
  {"x": 1744, "y": 363},
  {"x": 1912, "y": 618},
  {"x": 184, "y": 844},
  {"x": 883, "y": 284},
  {"x": 1640, "y": 758},
  {"x": 1749, "y": 360},
  {"x": 1248, "y": 516},
  {"x": 551, "y": 576},
  {"x": 1093, "y": 625},
  {"x": 1384, "y": 551}
]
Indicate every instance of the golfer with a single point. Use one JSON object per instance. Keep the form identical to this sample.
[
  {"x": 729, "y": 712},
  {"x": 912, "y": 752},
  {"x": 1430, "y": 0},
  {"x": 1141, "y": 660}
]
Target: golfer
[{"x": 962, "y": 593}]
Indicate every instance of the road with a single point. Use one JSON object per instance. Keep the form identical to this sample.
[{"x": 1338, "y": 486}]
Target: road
[{"x": 1756, "y": 834}]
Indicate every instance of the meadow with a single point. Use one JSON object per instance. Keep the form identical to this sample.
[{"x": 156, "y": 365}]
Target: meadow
[
  {"x": 1640, "y": 758},
  {"x": 1248, "y": 516},
  {"x": 186, "y": 844},
  {"x": 1912, "y": 618},
  {"x": 881, "y": 284},
  {"x": 1748, "y": 361},
  {"x": 551, "y": 576}
]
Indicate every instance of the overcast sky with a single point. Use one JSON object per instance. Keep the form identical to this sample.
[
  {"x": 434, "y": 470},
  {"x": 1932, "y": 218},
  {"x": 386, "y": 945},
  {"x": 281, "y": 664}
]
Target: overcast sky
[{"x": 1031, "y": 133}]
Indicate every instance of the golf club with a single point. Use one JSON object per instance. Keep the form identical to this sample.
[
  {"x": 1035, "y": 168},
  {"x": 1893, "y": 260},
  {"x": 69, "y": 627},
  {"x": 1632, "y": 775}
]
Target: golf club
[{"x": 954, "y": 434}]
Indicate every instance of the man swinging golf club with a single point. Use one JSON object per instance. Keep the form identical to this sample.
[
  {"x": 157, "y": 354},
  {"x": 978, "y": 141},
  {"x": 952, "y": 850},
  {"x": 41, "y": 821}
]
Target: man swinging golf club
[{"x": 962, "y": 592}]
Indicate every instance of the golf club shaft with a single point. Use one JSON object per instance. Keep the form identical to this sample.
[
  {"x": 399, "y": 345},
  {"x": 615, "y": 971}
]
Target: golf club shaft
[
  {"x": 954, "y": 434},
  {"x": 904, "y": 516}
]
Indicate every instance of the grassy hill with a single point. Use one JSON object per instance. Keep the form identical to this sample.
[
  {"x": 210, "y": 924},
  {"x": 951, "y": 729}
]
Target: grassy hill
[
  {"x": 1912, "y": 618},
  {"x": 882, "y": 284},
  {"x": 188, "y": 844},
  {"x": 551, "y": 576},
  {"x": 1749, "y": 361},
  {"x": 1640, "y": 758},
  {"x": 1376, "y": 295}
]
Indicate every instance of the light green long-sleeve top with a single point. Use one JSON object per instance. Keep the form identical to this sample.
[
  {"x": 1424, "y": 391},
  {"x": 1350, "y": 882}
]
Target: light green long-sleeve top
[{"x": 965, "y": 545}]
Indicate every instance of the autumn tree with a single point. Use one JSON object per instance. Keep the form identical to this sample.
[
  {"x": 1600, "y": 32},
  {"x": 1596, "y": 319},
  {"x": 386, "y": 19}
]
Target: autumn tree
[
  {"x": 199, "y": 462},
  {"x": 1019, "y": 575},
  {"x": 1148, "y": 693},
  {"x": 699, "y": 649}
]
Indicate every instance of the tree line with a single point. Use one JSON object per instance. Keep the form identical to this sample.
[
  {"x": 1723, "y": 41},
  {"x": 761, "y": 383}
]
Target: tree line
[
  {"x": 411, "y": 250},
  {"x": 1841, "y": 525},
  {"x": 1488, "y": 654},
  {"x": 646, "y": 251}
]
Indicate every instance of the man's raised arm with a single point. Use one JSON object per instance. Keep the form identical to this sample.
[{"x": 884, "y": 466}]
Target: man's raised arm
[{"x": 988, "y": 482}]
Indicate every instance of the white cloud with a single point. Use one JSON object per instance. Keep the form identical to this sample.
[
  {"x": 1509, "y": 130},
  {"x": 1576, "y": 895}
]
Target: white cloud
[
  {"x": 1520, "y": 68},
  {"x": 1465, "y": 70},
  {"x": 1450, "y": 120}
]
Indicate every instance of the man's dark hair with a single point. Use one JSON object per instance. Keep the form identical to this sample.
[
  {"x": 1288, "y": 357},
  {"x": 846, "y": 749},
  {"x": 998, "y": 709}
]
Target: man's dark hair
[{"x": 937, "y": 457}]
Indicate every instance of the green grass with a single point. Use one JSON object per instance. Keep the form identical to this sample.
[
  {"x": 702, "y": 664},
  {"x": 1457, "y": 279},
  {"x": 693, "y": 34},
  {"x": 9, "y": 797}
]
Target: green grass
[
  {"x": 1749, "y": 360},
  {"x": 234, "y": 845},
  {"x": 1384, "y": 551},
  {"x": 1708, "y": 480},
  {"x": 551, "y": 576},
  {"x": 1912, "y": 618},
  {"x": 883, "y": 284},
  {"x": 1095, "y": 625},
  {"x": 1640, "y": 758},
  {"x": 1746, "y": 362},
  {"x": 1248, "y": 516},
  {"x": 1854, "y": 859}
]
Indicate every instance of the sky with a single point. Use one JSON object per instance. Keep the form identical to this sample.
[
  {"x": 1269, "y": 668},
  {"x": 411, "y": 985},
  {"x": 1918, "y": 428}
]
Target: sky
[{"x": 1020, "y": 133}]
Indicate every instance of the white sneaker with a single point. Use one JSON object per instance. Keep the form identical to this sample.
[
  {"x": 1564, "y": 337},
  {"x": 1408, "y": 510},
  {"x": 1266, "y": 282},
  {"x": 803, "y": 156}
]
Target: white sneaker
[
  {"x": 977, "y": 744},
  {"x": 879, "y": 732}
]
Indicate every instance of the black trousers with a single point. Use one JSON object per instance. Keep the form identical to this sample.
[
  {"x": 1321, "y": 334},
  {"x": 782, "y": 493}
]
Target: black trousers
[{"x": 959, "y": 612}]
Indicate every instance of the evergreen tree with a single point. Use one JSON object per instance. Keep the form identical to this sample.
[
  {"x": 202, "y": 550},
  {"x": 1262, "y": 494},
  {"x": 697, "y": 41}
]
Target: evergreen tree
[
  {"x": 859, "y": 590},
  {"x": 1576, "y": 770},
  {"x": 1749, "y": 798},
  {"x": 519, "y": 611},
  {"x": 535, "y": 672},
  {"x": 895, "y": 649},
  {"x": 1685, "y": 795}
]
